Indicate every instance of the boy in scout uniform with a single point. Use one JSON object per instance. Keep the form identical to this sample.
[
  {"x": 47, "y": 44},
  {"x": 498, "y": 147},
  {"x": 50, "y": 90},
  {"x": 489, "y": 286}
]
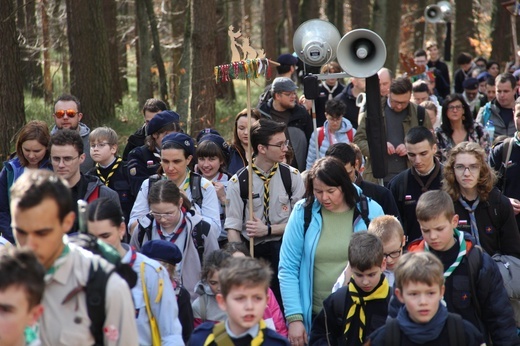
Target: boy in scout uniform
[
  {"x": 42, "y": 210},
  {"x": 276, "y": 189}
]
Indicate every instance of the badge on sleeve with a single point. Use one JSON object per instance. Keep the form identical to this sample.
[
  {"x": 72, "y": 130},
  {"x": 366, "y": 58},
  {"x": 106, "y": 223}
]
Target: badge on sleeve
[{"x": 111, "y": 333}]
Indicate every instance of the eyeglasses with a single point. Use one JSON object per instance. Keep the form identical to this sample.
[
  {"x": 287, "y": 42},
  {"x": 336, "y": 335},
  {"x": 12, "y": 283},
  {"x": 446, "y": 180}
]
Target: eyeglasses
[
  {"x": 283, "y": 145},
  {"x": 455, "y": 108},
  {"x": 67, "y": 160},
  {"x": 332, "y": 119},
  {"x": 289, "y": 94},
  {"x": 99, "y": 145},
  {"x": 394, "y": 254},
  {"x": 399, "y": 103},
  {"x": 165, "y": 216},
  {"x": 461, "y": 169},
  {"x": 71, "y": 113}
]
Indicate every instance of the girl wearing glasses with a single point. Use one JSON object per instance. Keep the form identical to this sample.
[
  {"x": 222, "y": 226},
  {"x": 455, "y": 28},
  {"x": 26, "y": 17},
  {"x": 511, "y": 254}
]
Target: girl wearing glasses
[
  {"x": 458, "y": 125},
  {"x": 31, "y": 152},
  {"x": 172, "y": 218},
  {"x": 482, "y": 209}
]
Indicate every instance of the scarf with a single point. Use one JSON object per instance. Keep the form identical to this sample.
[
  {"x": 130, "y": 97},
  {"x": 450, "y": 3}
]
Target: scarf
[
  {"x": 266, "y": 181},
  {"x": 422, "y": 333},
  {"x": 433, "y": 175},
  {"x": 329, "y": 90},
  {"x": 359, "y": 299},
  {"x": 473, "y": 220},
  {"x": 460, "y": 256},
  {"x": 57, "y": 263},
  {"x": 179, "y": 230},
  {"x": 110, "y": 174},
  {"x": 219, "y": 336}
]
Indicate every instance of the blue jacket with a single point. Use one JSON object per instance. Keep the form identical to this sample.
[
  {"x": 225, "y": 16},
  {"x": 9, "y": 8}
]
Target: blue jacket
[
  {"x": 341, "y": 136},
  {"x": 297, "y": 257},
  {"x": 12, "y": 170},
  {"x": 496, "y": 320}
]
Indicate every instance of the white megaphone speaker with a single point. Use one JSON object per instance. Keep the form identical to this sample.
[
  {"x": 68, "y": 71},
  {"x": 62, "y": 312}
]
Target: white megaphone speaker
[
  {"x": 315, "y": 42},
  {"x": 361, "y": 53},
  {"x": 438, "y": 12}
]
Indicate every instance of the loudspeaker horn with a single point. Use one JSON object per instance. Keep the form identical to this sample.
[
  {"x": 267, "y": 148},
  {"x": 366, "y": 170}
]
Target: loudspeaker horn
[
  {"x": 433, "y": 14},
  {"x": 315, "y": 42},
  {"x": 361, "y": 53},
  {"x": 446, "y": 10}
]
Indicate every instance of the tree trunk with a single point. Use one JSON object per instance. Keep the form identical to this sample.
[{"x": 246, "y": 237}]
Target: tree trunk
[
  {"x": 418, "y": 7},
  {"x": 110, "y": 18},
  {"x": 12, "y": 114},
  {"x": 46, "y": 43},
  {"x": 202, "y": 102},
  {"x": 386, "y": 23},
  {"x": 183, "y": 106},
  {"x": 144, "y": 58},
  {"x": 179, "y": 10},
  {"x": 163, "y": 87},
  {"x": 270, "y": 31},
  {"x": 223, "y": 90},
  {"x": 501, "y": 34},
  {"x": 122, "y": 41},
  {"x": 360, "y": 14},
  {"x": 58, "y": 27},
  {"x": 91, "y": 80},
  {"x": 464, "y": 27},
  {"x": 308, "y": 10}
]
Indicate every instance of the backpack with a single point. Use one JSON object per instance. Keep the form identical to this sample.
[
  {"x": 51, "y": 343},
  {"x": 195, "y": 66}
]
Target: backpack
[
  {"x": 243, "y": 184},
  {"x": 307, "y": 213},
  {"x": 199, "y": 232},
  {"x": 507, "y": 148},
  {"x": 321, "y": 136},
  {"x": 455, "y": 331},
  {"x": 98, "y": 276},
  {"x": 486, "y": 114},
  {"x": 195, "y": 181}
]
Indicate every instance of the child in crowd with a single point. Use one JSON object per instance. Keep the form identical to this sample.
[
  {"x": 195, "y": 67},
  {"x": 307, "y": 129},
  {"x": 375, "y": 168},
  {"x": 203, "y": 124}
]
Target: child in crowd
[
  {"x": 273, "y": 315},
  {"x": 243, "y": 295},
  {"x": 351, "y": 313},
  {"x": 424, "y": 319},
  {"x": 21, "y": 291},
  {"x": 110, "y": 168},
  {"x": 474, "y": 286},
  {"x": 391, "y": 233},
  {"x": 168, "y": 255},
  {"x": 205, "y": 307}
]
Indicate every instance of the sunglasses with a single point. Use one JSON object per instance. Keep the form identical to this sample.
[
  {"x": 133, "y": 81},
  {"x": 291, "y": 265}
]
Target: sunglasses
[{"x": 71, "y": 113}]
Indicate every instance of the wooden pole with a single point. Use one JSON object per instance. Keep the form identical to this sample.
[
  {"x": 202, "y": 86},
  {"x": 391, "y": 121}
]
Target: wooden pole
[{"x": 249, "y": 168}]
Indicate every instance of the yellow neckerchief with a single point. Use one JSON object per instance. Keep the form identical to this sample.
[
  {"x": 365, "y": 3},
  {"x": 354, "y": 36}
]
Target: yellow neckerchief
[
  {"x": 186, "y": 182},
  {"x": 266, "y": 181},
  {"x": 110, "y": 174},
  {"x": 358, "y": 308},
  {"x": 219, "y": 336}
]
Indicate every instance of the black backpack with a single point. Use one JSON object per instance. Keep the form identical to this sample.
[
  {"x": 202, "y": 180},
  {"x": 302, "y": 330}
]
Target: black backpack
[
  {"x": 243, "y": 183},
  {"x": 98, "y": 276},
  {"x": 199, "y": 232},
  {"x": 195, "y": 181},
  {"x": 455, "y": 331}
]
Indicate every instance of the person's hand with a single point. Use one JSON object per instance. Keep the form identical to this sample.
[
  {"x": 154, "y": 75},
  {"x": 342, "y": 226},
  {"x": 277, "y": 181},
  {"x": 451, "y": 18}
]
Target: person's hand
[
  {"x": 221, "y": 192},
  {"x": 516, "y": 205},
  {"x": 401, "y": 150},
  {"x": 256, "y": 228},
  {"x": 297, "y": 335},
  {"x": 390, "y": 148}
]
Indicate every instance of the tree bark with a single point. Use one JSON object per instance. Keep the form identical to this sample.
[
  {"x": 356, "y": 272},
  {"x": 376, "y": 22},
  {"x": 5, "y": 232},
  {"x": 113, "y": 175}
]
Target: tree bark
[
  {"x": 223, "y": 90},
  {"x": 464, "y": 27},
  {"x": 144, "y": 58},
  {"x": 202, "y": 101},
  {"x": 163, "y": 86},
  {"x": 386, "y": 23},
  {"x": 419, "y": 28},
  {"x": 12, "y": 114},
  {"x": 46, "y": 43},
  {"x": 308, "y": 10},
  {"x": 91, "y": 80},
  {"x": 272, "y": 21},
  {"x": 179, "y": 11},
  {"x": 360, "y": 14},
  {"x": 122, "y": 41},
  {"x": 110, "y": 18},
  {"x": 183, "y": 106},
  {"x": 501, "y": 34}
]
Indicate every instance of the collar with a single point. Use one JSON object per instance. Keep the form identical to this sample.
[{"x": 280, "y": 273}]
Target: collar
[
  {"x": 64, "y": 272},
  {"x": 253, "y": 331},
  {"x": 110, "y": 164}
]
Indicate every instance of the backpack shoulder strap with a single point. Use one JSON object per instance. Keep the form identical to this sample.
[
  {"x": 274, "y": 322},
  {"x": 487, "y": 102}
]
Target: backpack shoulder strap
[
  {"x": 307, "y": 217},
  {"x": 456, "y": 333},
  {"x": 321, "y": 136},
  {"x": 506, "y": 154},
  {"x": 474, "y": 264},
  {"x": 487, "y": 113},
  {"x": 196, "y": 192},
  {"x": 350, "y": 135},
  {"x": 219, "y": 336},
  {"x": 285, "y": 172},
  {"x": 145, "y": 230},
  {"x": 95, "y": 293},
  {"x": 392, "y": 333},
  {"x": 420, "y": 115},
  {"x": 363, "y": 201}
]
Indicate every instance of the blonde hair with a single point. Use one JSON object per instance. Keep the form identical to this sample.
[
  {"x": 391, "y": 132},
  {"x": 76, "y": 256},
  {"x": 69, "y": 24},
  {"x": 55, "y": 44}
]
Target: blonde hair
[
  {"x": 419, "y": 267},
  {"x": 103, "y": 133},
  {"x": 386, "y": 227}
]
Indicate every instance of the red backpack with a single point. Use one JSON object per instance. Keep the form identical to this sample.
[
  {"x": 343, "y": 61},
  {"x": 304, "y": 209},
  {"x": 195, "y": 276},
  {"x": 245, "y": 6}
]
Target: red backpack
[{"x": 321, "y": 135}]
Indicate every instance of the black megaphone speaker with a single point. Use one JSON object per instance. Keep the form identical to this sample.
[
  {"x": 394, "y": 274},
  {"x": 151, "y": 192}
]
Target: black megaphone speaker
[{"x": 315, "y": 42}]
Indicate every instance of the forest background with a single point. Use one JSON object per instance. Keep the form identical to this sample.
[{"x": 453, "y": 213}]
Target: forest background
[{"x": 114, "y": 54}]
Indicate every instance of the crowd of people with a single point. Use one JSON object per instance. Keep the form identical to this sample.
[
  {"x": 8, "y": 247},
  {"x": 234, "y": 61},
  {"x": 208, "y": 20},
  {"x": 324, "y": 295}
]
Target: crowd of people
[{"x": 340, "y": 257}]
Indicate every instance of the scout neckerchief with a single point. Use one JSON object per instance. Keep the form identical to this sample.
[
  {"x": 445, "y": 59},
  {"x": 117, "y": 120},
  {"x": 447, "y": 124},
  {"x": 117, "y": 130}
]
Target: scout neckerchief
[
  {"x": 179, "y": 229},
  {"x": 329, "y": 90},
  {"x": 110, "y": 174},
  {"x": 462, "y": 252},
  {"x": 133, "y": 256},
  {"x": 186, "y": 183},
  {"x": 219, "y": 336},
  {"x": 433, "y": 174},
  {"x": 473, "y": 220},
  {"x": 266, "y": 180},
  {"x": 358, "y": 308},
  {"x": 57, "y": 263}
]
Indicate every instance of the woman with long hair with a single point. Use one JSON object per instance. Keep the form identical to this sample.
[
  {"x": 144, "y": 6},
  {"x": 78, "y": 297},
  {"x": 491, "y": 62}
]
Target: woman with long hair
[
  {"x": 457, "y": 125},
  {"x": 482, "y": 209},
  {"x": 313, "y": 252},
  {"x": 238, "y": 149}
]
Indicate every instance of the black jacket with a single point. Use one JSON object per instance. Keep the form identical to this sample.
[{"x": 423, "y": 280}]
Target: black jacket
[
  {"x": 134, "y": 141},
  {"x": 142, "y": 163}
]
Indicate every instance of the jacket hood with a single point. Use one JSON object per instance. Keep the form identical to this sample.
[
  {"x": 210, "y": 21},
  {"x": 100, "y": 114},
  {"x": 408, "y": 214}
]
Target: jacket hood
[
  {"x": 203, "y": 288},
  {"x": 83, "y": 130},
  {"x": 346, "y": 126}
]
